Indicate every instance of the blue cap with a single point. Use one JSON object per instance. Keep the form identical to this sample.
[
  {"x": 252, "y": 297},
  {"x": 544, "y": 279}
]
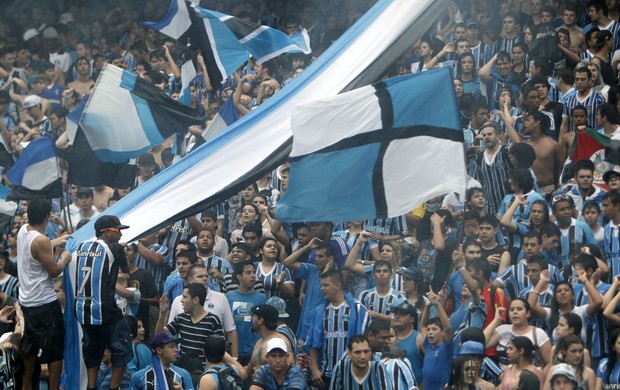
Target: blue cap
[
  {"x": 471, "y": 348},
  {"x": 163, "y": 338}
]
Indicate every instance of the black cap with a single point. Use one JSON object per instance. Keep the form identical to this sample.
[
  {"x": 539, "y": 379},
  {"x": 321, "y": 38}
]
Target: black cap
[
  {"x": 607, "y": 175},
  {"x": 84, "y": 191},
  {"x": 266, "y": 312},
  {"x": 406, "y": 308},
  {"x": 108, "y": 221}
]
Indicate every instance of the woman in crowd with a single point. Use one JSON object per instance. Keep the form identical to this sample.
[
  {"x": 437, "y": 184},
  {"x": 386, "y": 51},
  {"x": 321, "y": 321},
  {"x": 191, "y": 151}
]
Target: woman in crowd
[
  {"x": 608, "y": 371},
  {"x": 519, "y": 352},
  {"x": 498, "y": 335},
  {"x": 571, "y": 351},
  {"x": 568, "y": 324},
  {"x": 142, "y": 355},
  {"x": 275, "y": 277}
]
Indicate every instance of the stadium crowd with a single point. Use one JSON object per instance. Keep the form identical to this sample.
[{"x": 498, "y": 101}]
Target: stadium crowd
[{"x": 513, "y": 285}]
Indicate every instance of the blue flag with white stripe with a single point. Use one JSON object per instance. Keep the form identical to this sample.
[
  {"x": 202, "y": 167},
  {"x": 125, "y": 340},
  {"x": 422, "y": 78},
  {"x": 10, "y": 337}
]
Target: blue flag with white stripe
[
  {"x": 226, "y": 41},
  {"x": 126, "y": 116},
  {"x": 375, "y": 152},
  {"x": 226, "y": 116},
  {"x": 36, "y": 172}
]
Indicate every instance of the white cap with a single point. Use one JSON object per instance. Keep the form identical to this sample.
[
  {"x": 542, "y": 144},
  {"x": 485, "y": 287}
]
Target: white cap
[
  {"x": 31, "y": 101},
  {"x": 30, "y": 33},
  {"x": 276, "y": 343},
  {"x": 66, "y": 18},
  {"x": 50, "y": 33}
]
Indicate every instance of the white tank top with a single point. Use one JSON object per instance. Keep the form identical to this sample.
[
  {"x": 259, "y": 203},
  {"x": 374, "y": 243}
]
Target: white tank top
[{"x": 36, "y": 287}]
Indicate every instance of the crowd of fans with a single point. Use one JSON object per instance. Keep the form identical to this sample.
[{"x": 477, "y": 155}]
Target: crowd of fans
[{"x": 514, "y": 284}]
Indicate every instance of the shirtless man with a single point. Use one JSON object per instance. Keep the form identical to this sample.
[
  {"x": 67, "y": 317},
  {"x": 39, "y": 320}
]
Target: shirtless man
[
  {"x": 84, "y": 82},
  {"x": 264, "y": 322},
  {"x": 548, "y": 151},
  {"x": 577, "y": 39}
]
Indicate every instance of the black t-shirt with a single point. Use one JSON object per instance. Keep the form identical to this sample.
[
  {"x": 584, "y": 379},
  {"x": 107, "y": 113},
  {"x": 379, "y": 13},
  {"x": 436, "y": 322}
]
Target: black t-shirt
[
  {"x": 143, "y": 281},
  {"x": 443, "y": 264},
  {"x": 485, "y": 253}
]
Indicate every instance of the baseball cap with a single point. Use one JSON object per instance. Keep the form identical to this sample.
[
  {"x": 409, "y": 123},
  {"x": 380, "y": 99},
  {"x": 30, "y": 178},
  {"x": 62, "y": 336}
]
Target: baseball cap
[
  {"x": 163, "y": 338},
  {"x": 31, "y": 101},
  {"x": 607, "y": 175},
  {"x": 266, "y": 312},
  {"x": 471, "y": 348},
  {"x": 108, "y": 221},
  {"x": 405, "y": 307},
  {"x": 33, "y": 78},
  {"x": 114, "y": 56},
  {"x": 30, "y": 33},
  {"x": 276, "y": 343},
  {"x": 566, "y": 370},
  {"x": 412, "y": 273},
  {"x": 393, "y": 352},
  {"x": 84, "y": 191},
  {"x": 279, "y": 304}
]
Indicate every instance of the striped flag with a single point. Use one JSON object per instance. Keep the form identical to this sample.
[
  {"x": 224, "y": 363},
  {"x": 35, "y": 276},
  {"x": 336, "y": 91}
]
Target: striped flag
[
  {"x": 375, "y": 152},
  {"x": 126, "y": 116},
  {"x": 226, "y": 116},
  {"x": 85, "y": 170},
  {"x": 226, "y": 41},
  {"x": 36, "y": 172}
]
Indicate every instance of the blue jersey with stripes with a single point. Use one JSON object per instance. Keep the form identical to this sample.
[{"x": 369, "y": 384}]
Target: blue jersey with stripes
[
  {"x": 611, "y": 379},
  {"x": 399, "y": 375},
  {"x": 269, "y": 278},
  {"x": 343, "y": 378},
  {"x": 595, "y": 325},
  {"x": 577, "y": 233},
  {"x": 493, "y": 175},
  {"x": 373, "y": 301},
  {"x": 97, "y": 265},
  {"x": 287, "y": 332},
  {"x": 10, "y": 286},
  {"x": 611, "y": 247},
  {"x": 220, "y": 264},
  {"x": 294, "y": 379},
  {"x": 592, "y": 102},
  {"x": 157, "y": 271},
  {"x": 515, "y": 280}
]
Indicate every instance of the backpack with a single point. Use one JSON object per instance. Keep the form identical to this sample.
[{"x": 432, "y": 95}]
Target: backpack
[{"x": 227, "y": 377}]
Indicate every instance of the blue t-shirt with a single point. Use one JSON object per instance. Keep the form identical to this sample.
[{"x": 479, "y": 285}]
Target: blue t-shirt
[
  {"x": 413, "y": 354},
  {"x": 437, "y": 362},
  {"x": 314, "y": 297},
  {"x": 241, "y": 305}
]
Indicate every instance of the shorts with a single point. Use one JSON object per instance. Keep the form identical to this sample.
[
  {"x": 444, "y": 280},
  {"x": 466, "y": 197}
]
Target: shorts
[
  {"x": 44, "y": 332},
  {"x": 115, "y": 336}
]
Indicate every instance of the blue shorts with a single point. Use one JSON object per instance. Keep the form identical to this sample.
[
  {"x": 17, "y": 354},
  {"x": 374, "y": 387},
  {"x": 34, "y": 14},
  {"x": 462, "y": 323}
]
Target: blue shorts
[{"x": 115, "y": 336}]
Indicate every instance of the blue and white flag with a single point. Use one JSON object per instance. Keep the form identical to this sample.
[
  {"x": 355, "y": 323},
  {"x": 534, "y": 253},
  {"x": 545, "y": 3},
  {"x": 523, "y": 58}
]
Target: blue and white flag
[
  {"x": 36, "y": 171},
  {"x": 188, "y": 74},
  {"x": 226, "y": 116},
  {"x": 375, "y": 152},
  {"x": 225, "y": 41},
  {"x": 126, "y": 116}
]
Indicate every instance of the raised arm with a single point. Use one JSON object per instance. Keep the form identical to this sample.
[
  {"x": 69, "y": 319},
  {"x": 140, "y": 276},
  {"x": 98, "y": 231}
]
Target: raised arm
[
  {"x": 351, "y": 263},
  {"x": 594, "y": 297},
  {"x": 458, "y": 258},
  {"x": 292, "y": 261},
  {"x": 441, "y": 313},
  {"x": 506, "y": 219},
  {"x": 535, "y": 292},
  {"x": 491, "y": 337},
  {"x": 610, "y": 310},
  {"x": 485, "y": 72}
]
